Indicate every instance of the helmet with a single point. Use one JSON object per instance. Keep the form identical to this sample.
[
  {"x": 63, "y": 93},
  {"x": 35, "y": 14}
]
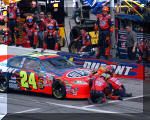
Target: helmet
[
  {"x": 109, "y": 69},
  {"x": 105, "y": 76},
  {"x": 105, "y": 9},
  {"x": 29, "y": 20},
  {"x": 101, "y": 70},
  {"x": 11, "y": 1},
  {"x": 50, "y": 26}
]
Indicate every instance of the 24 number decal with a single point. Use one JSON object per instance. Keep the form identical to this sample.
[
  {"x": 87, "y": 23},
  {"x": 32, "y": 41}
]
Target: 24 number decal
[{"x": 25, "y": 82}]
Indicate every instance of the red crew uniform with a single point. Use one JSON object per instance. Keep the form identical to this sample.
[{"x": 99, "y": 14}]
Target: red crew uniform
[
  {"x": 98, "y": 85},
  {"x": 30, "y": 35},
  {"x": 104, "y": 24},
  {"x": 13, "y": 18},
  {"x": 119, "y": 89},
  {"x": 84, "y": 44},
  {"x": 42, "y": 28},
  {"x": 51, "y": 35},
  {"x": 117, "y": 86}
]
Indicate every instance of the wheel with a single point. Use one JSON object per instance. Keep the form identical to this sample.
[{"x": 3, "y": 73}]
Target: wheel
[
  {"x": 77, "y": 19},
  {"x": 58, "y": 89},
  {"x": 3, "y": 84}
]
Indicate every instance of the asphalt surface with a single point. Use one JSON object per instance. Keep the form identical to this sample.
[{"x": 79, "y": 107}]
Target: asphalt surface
[
  {"x": 34, "y": 106},
  {"x": 22, "y": 104}
]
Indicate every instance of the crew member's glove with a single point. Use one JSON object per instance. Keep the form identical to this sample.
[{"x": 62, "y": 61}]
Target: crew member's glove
[
  {"x": 6, "y": 20},
  {"x": 18, "y": 19},
  {"x": 111, "y": 29}
]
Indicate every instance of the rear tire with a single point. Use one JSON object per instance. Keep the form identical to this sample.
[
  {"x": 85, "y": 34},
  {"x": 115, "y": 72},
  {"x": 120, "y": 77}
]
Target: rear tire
[
  {"x": 3, "y": 84},
  {"x": 58, "y": 89}
]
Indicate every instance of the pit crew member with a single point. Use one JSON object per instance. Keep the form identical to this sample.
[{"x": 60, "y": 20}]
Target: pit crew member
[
  {"x": 105, "y": 25},
  {"x": 51, "y": 39},
  {"x": 97, "y": 84},
  {"x": 117, "y": 86},
  {"x": 30, "y": 35},
  {"x": 13, "y": 18},
  {"x": 83, "y": 42},
  {"x": 42, "y": 28}
]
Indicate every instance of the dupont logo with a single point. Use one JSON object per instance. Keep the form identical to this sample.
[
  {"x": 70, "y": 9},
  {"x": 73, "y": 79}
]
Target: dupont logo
[{"x": 120, "y": 70}]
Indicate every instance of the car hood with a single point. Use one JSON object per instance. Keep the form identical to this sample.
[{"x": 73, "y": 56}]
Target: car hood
[{"x": 72, "y": 73}]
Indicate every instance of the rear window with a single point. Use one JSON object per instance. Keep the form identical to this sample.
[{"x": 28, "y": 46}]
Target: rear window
[{"x": 15, "y": 62}]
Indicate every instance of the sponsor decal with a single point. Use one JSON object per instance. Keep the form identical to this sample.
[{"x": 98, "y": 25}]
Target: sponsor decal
[
  {"x": 3, "y": 64},
  {"x": 72, "y": 92},
  {"x": 14, "y": 86},
  {"x": 66, "y": 82},
  {"x": 76, "y": 89},
  {"x": 98, "y": 83},
  {"x": 119, "y": 69},
  {"x": 13, "y": 83},
  {"x": 68, "y": 87},
  {"x": 11, "y": 70},
  {"x": 78, "y": 73},
  {"x": 13, "y": 77},
  {"x": 122, "y": 69}
]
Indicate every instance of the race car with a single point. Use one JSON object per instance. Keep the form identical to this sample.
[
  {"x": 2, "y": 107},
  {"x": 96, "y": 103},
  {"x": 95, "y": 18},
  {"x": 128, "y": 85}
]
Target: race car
[{"x": 47, "y": 73}]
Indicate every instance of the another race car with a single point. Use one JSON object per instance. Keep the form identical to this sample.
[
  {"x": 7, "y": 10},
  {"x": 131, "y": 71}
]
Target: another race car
[{"x": 46, "y": 73}]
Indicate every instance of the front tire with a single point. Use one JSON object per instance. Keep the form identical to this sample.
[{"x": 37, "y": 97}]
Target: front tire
[
  {"x": 58, "y": 89},
  {"x": 3, "y": 84}
]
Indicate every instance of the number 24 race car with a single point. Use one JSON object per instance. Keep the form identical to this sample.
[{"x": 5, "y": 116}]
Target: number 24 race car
[{"x": 46, "y": 73}]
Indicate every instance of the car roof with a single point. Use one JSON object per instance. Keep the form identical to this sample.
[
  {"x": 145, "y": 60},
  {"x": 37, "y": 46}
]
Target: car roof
[{"x": 40, "y": 55}]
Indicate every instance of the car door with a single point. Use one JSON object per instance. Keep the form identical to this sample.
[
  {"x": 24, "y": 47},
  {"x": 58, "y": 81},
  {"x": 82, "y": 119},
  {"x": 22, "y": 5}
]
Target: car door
[
  {"x": 13, "y": 71},
  {"x": 29, "y": 75}
]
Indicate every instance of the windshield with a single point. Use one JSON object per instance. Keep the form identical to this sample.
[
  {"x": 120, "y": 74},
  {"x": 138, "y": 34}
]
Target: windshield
[{"x": 56, "y": 62}]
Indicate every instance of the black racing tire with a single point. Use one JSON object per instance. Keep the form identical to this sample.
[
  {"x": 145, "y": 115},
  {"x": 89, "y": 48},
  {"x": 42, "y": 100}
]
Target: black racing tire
[
  {"x": 3, "y": 84},
  {"x": 58, "y": 89},
  {"x": 77, "y": 19}
]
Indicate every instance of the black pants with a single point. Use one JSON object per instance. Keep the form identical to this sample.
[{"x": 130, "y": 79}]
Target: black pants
[
  {"x": 11, "y": 25},
  {"x": 96, "y": 96},
  {"x": 103, "y": 43},
  {"x": 131, "y": 55},
  {"x": 31, "y": 38}
]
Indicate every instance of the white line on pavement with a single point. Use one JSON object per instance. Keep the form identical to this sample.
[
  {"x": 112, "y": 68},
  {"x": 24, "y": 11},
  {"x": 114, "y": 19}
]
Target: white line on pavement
[
  {"x": 25, "y": 111},
  {"x": 81, "y": 108},
  {"x": 115, "y": 101},
  {"x": 2, "y": 97},
  {"x": 130, "y": 98},
  {"x": 1, "y": 116}
]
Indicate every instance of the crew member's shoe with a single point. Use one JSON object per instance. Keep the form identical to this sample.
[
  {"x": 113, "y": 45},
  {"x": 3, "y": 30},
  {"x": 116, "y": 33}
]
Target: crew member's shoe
[
  {"x": 90, "y": 101},
  {"x": 129, "y": 94}
]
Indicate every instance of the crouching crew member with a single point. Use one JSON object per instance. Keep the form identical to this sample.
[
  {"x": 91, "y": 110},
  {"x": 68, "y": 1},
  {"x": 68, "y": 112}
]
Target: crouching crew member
[
  {"x": 30, "y": 35},
  {"x": 98, "y": 85},
  {"x": 52, "y": 34},
  {"x": 83, "y": 42},
  {"x": 117, "y": 86}
]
